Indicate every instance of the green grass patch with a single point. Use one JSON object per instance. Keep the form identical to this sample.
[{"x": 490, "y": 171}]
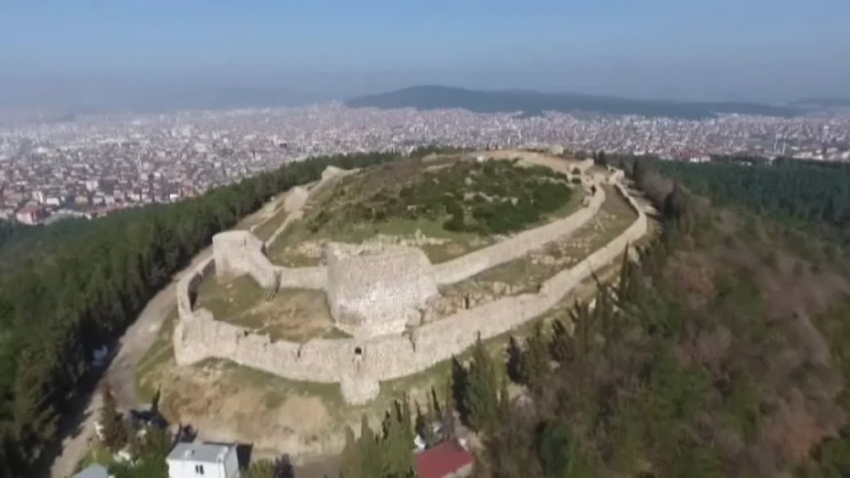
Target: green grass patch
[
  {"x": 229, "y": 298},
  {"x": 279, "y": 388}
]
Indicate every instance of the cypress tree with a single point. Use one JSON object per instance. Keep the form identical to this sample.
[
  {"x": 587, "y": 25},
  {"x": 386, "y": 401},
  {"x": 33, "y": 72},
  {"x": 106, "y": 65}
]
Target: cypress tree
[
  {"x": 369, "y": 451},
  {"x": 515, "y": 365},
  {"x": 448, "y": 415},
  {"x": 407, "y": 420},
  {"x": 535, "y": 363},
  {"x": 351, "y": 463},
  {"x": 482, "y": 396},
  {"x": 504, "y": 401}
]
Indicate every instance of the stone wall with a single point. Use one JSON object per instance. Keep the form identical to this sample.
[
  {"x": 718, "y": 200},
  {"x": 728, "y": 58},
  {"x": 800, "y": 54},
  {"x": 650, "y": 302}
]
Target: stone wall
[
  {"x": 240, "y": 252},
  {"x": 378, "y": 292},
  {"x": 359, "y": 364},
  {"x": 188, "y": 285},
  {"x": 517, "y": 246}
]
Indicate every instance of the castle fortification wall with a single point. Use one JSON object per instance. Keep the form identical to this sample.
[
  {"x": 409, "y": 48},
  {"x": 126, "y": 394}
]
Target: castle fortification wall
[
  {"x": 302, "y": 277},
  {"x": 188, "y": 285},
  {"x": 378, "y": 292},
  {"x": 295, "y": 200},
  {"x": 515, "y": 247},
  {"x": 359, "y": 364}
]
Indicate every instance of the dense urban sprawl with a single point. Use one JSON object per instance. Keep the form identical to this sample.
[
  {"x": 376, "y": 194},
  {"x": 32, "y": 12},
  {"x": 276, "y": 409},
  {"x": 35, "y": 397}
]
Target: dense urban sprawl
[{"x": 96, "y": 164}]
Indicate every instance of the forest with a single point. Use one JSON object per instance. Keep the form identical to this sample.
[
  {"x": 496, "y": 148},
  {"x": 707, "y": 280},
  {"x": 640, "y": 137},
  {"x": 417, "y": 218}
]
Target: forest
[
  {"x": 805, "y": 194},
  {"x": 71, "y": 287},
  {"x": 720, "y": 352}
]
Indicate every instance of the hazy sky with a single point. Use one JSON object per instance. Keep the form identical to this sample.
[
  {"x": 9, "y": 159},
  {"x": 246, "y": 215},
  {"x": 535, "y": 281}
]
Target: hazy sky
[{"x": 771, "y": 50}]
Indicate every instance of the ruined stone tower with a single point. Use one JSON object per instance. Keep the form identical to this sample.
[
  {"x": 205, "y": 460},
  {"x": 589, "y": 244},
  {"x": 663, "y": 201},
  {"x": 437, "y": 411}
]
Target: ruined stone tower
[{"x": 377, "y": 292}]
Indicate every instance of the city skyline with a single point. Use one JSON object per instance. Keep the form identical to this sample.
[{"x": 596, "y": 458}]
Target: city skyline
[{"x": 60, "y": 54}]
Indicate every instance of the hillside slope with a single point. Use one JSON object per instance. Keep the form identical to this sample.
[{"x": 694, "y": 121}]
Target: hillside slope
[{"x": 721, "y": 353}]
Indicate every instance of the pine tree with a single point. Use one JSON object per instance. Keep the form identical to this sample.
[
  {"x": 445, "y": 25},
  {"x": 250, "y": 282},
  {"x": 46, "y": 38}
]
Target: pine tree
[
  {"x": 535, "y": 362},
  {"x": 482, "y": 396},
  {"x": 369, "y": 451},
  {"x": 396, "y": 449}
]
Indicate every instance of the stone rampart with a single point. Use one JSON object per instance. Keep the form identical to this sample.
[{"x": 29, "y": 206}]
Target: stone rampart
[
  {"x": 517, "y": 246},
  {"x": 188, "y": 285},
  {"x": 378, "y": 292},
  {"x": 359, "y": 364},
  {"x": 295, "y": 199}
]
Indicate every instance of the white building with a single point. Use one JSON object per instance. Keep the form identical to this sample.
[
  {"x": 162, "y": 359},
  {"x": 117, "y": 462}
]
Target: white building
[{"x": 207, "y": 460}]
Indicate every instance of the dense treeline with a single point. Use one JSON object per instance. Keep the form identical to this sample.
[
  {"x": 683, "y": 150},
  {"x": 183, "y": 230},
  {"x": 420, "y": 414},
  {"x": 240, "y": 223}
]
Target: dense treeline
[
  {"x": 81, "y": 288},
  {"x": 801, "y": 193},
  {"x": 719, "y": 353}
]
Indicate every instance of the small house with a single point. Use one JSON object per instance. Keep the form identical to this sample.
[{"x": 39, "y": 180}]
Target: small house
[{"x": 207, "y": 460}]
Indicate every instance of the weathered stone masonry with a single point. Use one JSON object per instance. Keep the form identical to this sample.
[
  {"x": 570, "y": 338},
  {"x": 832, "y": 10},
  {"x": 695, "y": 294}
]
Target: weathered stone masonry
[{"x": 359, "y": 364}]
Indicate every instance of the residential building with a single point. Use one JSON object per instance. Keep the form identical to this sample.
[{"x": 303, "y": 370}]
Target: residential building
[
  {"x": 207, "y": 460},
  {"x": 30, "y": 215}
]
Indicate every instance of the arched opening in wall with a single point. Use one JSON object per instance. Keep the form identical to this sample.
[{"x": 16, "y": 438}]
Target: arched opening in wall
[{"x": 358, "y": 351}]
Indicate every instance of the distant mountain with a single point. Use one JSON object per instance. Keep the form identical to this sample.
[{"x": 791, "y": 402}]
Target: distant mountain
[
  {"x": 821, "y": 104},
  {"x": 533, "y": 103}
]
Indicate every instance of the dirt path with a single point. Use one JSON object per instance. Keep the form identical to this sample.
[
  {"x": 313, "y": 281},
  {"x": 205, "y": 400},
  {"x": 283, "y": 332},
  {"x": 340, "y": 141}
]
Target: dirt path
[
  {"x": 120, "y": 375},
  {"x": 130, "y": 349}
]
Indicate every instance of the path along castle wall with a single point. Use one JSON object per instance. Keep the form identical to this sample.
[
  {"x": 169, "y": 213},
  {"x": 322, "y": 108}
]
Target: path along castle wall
[
  {"x": 515, "y": 247},
  {"x": 393, "y": 357},
  {"x": 360, "y": 364}
]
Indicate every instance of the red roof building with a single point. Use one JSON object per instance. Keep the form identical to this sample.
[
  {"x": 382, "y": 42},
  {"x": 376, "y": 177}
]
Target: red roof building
[
  {"x": 446, "y": 460},
  {"x": 30, "y": 215}
]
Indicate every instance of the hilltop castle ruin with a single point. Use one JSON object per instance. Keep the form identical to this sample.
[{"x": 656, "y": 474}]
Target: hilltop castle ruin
[{"x": 380, "y": 297}]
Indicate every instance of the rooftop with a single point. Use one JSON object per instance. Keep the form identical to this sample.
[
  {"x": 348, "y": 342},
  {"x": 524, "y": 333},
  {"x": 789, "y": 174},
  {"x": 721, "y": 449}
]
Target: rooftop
[
  {"x": 440, "y": 461},
  {"x": 200, "y": 452}
]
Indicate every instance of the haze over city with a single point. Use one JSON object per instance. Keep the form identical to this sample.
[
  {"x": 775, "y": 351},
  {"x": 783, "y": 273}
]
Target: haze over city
[{"x": 93, "y": 55}]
